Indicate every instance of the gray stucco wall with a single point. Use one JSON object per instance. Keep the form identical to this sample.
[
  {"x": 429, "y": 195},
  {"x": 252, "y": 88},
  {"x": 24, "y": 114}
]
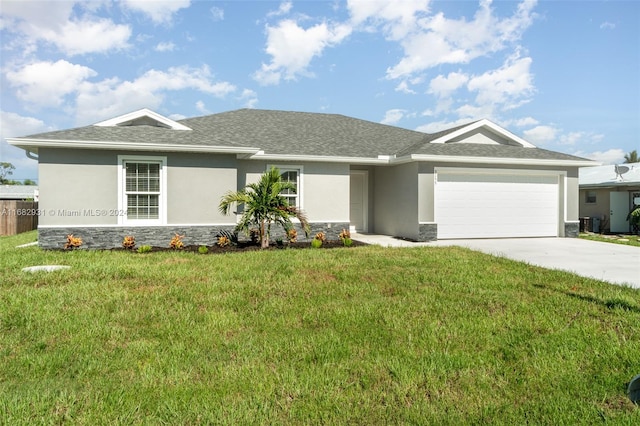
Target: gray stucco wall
[
  {"x": 75, "y": 184},
  {"x": 325, "y": 187},
  {"x": 196, "y": 183},
  {"x": 396, "y": 201}
]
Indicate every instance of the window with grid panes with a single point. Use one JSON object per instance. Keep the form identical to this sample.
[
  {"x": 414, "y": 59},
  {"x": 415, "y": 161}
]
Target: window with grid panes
[
  {"x": 142, "y": 190},
  {"x": 293, "y": 177}
]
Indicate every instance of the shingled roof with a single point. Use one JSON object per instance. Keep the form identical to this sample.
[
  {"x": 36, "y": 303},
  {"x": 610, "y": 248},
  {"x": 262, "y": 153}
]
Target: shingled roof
[{"x": 284, "y": 133}]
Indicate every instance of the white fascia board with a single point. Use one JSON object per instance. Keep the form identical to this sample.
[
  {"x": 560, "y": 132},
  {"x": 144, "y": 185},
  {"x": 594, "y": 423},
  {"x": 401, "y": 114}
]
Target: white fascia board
[
  {"x": 144, "y": 112},
  {"x": 317, "y": 158},
  {"x": 484, "y": 123},
  {"x": 499, "y": 160},
  {"x": 134, "y": 146}
]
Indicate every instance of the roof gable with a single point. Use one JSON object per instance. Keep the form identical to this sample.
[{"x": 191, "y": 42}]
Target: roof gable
[
  {"x": 142, "y": 117},
  {"x": 483, "y": 132}
]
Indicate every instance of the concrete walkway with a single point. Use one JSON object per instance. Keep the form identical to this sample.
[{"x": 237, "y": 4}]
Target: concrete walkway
[{"x": 614, "y": 263}]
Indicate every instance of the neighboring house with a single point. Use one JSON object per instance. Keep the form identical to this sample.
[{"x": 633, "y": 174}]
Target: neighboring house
[
  {"x": 146, "y": 175},
  {"x": 607, "y": 194},
  {"x": 19, "y": 192}
]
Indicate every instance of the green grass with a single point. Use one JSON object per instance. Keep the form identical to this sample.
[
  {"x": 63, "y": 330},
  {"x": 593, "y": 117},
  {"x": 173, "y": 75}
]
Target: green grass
[
  {"x": 627, "y": 240},
  {"x": 364, "y": 335}
]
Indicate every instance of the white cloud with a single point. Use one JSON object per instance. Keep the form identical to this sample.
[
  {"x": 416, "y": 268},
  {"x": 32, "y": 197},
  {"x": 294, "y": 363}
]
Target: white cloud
[
  {"x": 283, "y": 9},
  {"x": 607, "y": 26},
  {"x": 610, "y": 156},
  {"x": 523, "y": 122},
  {"x": 249, "y": 97},
  {"x": 435, "y": 40},
  {"x": 47, "y": 83},
  {"x": 393, "y": 116},
  {"x": 292, "y": 48},
  {"x": 112, "y": 97},
  {"x": 541, "y": 134},
  {"x": 396, "y": 18},
  {"x": 159, "y": 11},
  {"x": 201, "y": 107},
  {"x": 14, "y": 125},
  {"x": 438, "y": 126},
  {"x": 403, "y": 87},
  {"x": 443, "y": 86},
  {"x": 80, "y": 37},
  {"x": 165, "y": 46},
  {"x": 55, "y": 23},
  {"x": 217, "y": 14},
  {"x": 509, "y": 85}
]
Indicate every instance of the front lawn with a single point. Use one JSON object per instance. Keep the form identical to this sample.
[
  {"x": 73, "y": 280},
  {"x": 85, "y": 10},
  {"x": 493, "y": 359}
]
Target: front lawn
[{"x": 361, "y": 335}]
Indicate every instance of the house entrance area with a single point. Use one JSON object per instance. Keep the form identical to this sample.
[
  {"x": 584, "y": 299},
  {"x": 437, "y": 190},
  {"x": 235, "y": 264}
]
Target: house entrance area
[
  {"x": 358, "y": 204},
  {"x": 500, "y": 204}
]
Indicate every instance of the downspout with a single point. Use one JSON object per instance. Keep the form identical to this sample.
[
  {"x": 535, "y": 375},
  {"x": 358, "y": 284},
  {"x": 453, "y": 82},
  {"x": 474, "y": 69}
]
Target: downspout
[{"x": 31, "y": 155}]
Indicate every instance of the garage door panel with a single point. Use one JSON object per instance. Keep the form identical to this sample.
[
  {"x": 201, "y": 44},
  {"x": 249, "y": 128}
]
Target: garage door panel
[{"x": 472, "y": 205}]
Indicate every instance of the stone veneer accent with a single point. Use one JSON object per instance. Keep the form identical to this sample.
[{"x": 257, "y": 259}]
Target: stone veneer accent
[
  {"x": 428, "y": 232},
  {"x": 572, "y": 229},
  {"x": 159, "y": 236}
]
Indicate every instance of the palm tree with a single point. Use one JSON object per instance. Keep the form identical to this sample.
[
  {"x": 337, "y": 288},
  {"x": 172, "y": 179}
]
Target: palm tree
[
  {"x": 631, "y": 157},
  {"x": 264, "y": 205}
]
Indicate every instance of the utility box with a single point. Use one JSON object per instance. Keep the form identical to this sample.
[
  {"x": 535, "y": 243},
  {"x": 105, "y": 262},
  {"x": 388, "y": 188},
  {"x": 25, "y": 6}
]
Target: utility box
[{"x": 595, "y": 225}]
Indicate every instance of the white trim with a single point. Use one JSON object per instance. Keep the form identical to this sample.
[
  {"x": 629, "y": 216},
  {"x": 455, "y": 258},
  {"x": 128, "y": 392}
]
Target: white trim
[
  {"x": 484, "y": 123},
  {"x": 260, "y": 155},
  {"x": 144, "y": 112},
  {"x": 162, "y": 199},
  {"x": 129, "y": 146},
  {"x": 482, "y": 171},
  {"x": 166, "y": 225},
  {"x": 499, "y": 160}
]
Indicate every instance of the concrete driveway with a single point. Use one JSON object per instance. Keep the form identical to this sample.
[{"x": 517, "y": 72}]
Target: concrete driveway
[{"x": 614, "y": 263}]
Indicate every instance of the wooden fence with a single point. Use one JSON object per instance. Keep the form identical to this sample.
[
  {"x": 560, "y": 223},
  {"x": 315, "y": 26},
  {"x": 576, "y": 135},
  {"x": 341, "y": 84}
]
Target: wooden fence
[{"x": 18, "y": 216}]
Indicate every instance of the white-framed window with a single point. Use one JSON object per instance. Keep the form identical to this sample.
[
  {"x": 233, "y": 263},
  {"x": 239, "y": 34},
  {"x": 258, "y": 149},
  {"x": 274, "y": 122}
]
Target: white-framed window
[
  {"x": 590, "y": 197},
  {"x": 142, "y": 190},
  {"x": 293, "y": 175}
]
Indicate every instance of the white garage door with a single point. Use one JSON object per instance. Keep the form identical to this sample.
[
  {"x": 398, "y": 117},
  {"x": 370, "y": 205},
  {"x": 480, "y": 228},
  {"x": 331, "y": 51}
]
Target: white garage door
[{"x": 480, "y": 205}]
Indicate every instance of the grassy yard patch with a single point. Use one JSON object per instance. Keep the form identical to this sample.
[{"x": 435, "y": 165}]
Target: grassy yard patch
[
  {"x": 364, "y": 335},
  {"x": 628, "y": 240}
]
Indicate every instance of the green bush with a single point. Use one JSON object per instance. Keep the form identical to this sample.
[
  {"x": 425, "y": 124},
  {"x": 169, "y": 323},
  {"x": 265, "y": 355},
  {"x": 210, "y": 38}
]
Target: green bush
[
  {"x": 203, "y": 250},
  {"x": 144, "y": 249},
  {"x": 316, "y": 243}
]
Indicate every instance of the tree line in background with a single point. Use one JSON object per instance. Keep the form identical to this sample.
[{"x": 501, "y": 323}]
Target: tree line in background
[{"x": 6, "y": 170}]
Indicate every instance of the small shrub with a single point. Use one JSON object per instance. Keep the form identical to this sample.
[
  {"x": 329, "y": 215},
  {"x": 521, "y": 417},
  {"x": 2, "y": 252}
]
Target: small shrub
[
  {"x": 203, "y": 250},
  {"x": 129, "y": 242},
  {"x": 223, "y": 241},
  {"x": 73, "y": 242},
  {"x": 321, "y": 236},
  {"x": 345, "y": 237},
  {"x": 232, "y": 236},
  {"x": 316, "y": 243},
  {"x": 292, "y": 235},
  {"x": 144, "y": 249},
  {"x": 176, "y": 242}
]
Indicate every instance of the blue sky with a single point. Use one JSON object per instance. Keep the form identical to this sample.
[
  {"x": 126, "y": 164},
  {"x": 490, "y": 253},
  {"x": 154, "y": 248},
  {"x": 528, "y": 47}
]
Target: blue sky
[{"x": 564, "y": 75}]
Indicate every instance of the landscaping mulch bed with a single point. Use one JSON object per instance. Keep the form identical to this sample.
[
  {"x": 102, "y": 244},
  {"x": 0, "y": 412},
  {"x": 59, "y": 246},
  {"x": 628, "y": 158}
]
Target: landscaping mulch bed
[{"x": 244, "y": 246}]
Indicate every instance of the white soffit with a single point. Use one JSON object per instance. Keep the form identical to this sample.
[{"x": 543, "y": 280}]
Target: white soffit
[
  {"x": 489, "y": 125},
  {"x": 161, "y": 119}
]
